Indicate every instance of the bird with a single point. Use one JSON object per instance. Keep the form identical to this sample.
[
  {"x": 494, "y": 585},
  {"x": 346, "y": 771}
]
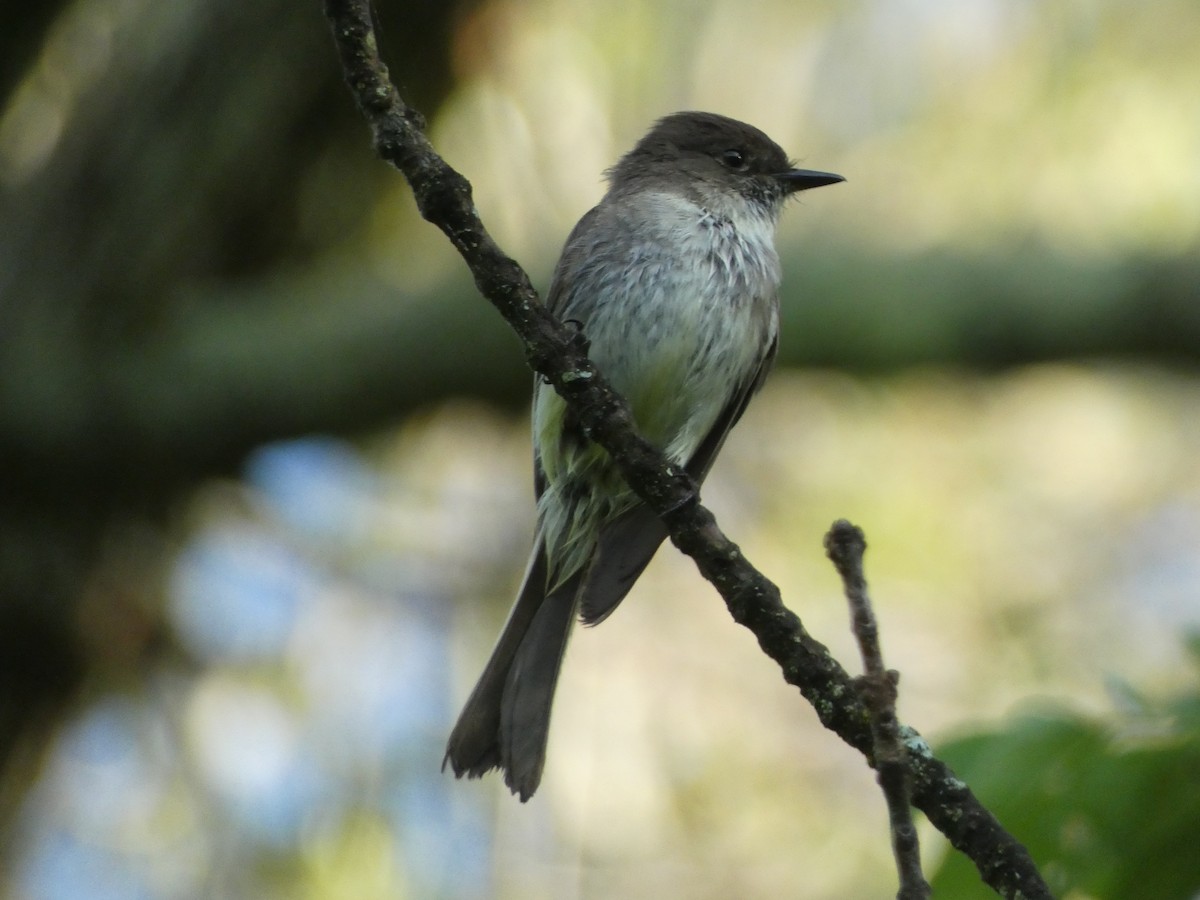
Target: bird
[{"x": 673, "y": 279}]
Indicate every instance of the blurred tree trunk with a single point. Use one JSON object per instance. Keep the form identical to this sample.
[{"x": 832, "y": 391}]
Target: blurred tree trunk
[{"x": 149, "y": 186}]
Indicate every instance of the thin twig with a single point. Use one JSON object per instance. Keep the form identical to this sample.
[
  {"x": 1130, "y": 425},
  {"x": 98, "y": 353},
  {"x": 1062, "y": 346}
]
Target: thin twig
[
  {"x": 444, "y": 198},
  {"x": 845, "y": 545}
]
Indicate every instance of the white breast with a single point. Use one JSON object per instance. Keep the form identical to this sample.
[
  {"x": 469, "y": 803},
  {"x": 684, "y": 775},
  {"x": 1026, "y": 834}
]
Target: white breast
[{"x": 701, "y": 314}]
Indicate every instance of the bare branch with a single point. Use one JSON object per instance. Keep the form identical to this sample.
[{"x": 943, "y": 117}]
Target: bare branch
[
  {"x": 845, "y": 545},
  {"x": 444, "y": 198}
]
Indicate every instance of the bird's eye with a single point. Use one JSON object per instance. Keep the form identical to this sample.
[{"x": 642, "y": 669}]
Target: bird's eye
[{"x": 733, "y": 159}]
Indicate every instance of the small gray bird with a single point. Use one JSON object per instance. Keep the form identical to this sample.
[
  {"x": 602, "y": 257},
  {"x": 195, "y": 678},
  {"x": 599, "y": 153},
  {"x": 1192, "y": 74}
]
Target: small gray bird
[{"x": 674, "y": 281}]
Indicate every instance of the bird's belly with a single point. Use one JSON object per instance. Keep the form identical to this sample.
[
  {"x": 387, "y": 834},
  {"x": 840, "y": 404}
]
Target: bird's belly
[
  {"x": 681, "y": 357},
  {"x": 679, "y": 315}
]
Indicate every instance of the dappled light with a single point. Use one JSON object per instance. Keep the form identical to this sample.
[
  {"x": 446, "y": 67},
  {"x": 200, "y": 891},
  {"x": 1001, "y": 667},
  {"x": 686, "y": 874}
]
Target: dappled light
[
  {"x": 270, "y": 462},
  {"x": 1008, "y": 573}
]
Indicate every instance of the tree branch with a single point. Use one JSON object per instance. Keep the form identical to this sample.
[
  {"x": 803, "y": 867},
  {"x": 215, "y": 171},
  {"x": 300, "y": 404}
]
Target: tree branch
[
  {"x": 845, "y": 545},
  {"x": 444, "y": 199}
]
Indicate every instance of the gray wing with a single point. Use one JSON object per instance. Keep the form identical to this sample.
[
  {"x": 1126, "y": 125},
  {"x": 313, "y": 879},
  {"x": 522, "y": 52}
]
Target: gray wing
[
  {"x": 628, "y": 543},
  {"x": 581, "y": 251},
  {"x": 559, "y": 301},
  {"x": 706, "y": 453}
]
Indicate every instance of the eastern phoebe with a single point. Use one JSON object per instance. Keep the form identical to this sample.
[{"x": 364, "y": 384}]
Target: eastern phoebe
[{"x": 674, "y": 280}]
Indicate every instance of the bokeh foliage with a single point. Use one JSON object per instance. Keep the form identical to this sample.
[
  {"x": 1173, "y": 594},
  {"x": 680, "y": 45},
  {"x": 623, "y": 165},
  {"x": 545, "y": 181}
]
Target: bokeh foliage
[
  {"x": 198, "y": 254},
  {"x": 1107, "y": 804}
]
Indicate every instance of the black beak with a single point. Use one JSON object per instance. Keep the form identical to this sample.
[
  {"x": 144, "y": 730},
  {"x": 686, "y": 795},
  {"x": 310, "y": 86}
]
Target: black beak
[{"x": 804, "y": 179}]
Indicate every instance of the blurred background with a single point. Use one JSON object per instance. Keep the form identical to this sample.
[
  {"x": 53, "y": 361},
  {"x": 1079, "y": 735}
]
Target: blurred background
[{"x": 265, "y": 457}]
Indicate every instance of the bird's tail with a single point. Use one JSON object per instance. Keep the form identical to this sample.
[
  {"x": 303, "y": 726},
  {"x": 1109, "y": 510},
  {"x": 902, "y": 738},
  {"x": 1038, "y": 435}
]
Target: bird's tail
[{"x": 506, "y": 720}]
